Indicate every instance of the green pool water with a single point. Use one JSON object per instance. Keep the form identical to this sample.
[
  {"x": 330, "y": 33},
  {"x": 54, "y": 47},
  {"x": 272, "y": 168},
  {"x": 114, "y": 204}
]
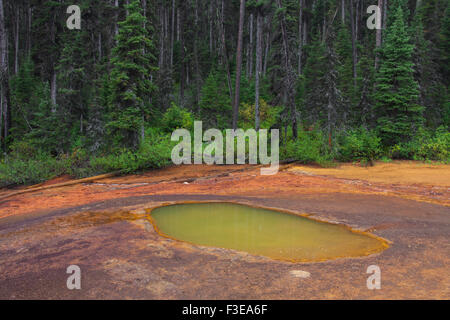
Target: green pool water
[{"x": 263, "y": 232}]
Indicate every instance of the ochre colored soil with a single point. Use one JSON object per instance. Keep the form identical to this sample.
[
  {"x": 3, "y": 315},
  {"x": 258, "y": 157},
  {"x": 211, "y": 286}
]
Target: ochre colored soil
[
  {"x": 102, "y": 227},
  {"x": 382, "y": 179},
  {"x": 398, "y": 172}
]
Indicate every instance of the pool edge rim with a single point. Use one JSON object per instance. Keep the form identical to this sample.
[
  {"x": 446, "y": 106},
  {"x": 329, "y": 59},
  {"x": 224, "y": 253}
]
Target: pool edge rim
[{"x": 385, "y": 243}]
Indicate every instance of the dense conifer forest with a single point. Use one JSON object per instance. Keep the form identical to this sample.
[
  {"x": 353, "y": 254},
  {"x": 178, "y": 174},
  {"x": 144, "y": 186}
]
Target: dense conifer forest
[{"x": 107, "y": 96}]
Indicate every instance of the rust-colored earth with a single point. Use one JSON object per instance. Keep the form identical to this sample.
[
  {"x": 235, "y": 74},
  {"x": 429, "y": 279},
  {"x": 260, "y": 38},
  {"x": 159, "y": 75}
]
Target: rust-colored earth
[{"x": 102, "y": 227}]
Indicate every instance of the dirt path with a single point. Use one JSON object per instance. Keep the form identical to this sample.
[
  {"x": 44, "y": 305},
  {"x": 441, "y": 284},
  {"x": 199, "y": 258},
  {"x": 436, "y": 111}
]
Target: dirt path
[{"x": 101, "y": 227}]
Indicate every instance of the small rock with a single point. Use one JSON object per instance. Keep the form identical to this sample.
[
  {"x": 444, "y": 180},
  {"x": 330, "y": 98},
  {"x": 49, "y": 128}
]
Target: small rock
[{"x": 300, "y": 274}]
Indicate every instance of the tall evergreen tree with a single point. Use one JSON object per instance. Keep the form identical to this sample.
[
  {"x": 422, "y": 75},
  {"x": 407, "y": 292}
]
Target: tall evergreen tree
[
  {"x": 215, "y": 103},
  {"x": 311, "y": 87},
  {"x": 396, "y": 94},
  {"x": 345, "y": 70},
  {"x": 131, "y": 84},
  {"x": 432, "y": 91},
  {"x": 444, "y": 39}
]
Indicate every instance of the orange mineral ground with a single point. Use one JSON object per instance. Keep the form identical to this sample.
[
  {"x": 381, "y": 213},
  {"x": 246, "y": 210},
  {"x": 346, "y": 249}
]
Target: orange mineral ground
[
  {"x": 102, "y": 224},
  {"x": 405, "y": 179}
]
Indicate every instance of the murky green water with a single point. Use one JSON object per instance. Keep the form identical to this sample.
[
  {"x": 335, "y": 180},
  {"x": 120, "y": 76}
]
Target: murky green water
[{"x": 262, "y": 232}]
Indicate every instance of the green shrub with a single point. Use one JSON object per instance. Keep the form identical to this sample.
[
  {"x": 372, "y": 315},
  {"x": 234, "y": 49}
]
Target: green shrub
[
  {"x": 425, "y": 145},
  {"x": 437, "y": 147},
  {"x": 269, "y": 115},
  {"x": 359, "y": 145},
  {"x": 176, "y": 118},
  {"x": 28, "y": 171},
  {"x": 385, "y": 159},
  {"x": 154, "y": 152},
  {"x": 23, "y": 149},
  {"x": 309, "y": 147},
  {"x": 27, "y": 165}
]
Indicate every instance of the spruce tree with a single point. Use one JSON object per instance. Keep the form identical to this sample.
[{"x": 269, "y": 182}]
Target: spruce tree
[
  {"x": 312, "y": 89},
  {"x": 131, "y": 86},
  {"x": 393, "y": 5},
  {"x": 74, "y": 83},
  {"x": 215, "y": 102},
  {"x": 444, "y": 44},
  {"x": 396, "y": 91},
  {"x": 345, "y": 70},
  {"x": 26, "y": 94},
  {"x": 323, "y": 98},
  {"x": 445, "y": 58},
  {"x": 432, "y": 91}
]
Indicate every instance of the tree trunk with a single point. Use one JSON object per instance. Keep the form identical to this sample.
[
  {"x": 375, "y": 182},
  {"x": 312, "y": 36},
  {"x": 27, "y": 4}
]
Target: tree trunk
[
  {"x": 378, "y": 39},
  {"x": 300, "y": 41},
  {"x": 250, "y": 51},
  {"x": 357, "y": 17},
  {"x": 418, "y": 4},
  {"x": 210, "y": 18},
  {"x": 4, "y": 76},
  {"x": 238, "y": 64},
  {"x": 144, "y": 24},
  {"x": 142, "y": 130},
  {"x": 53, "y": 89},
  {"x": 116, "y": 26},
  {"x": 53, "y": 84},
  {"x": 166, "y": 23},
  {"x": 384, "y": 22},
  {"x": 285, "y": 41},
  {"x": 224, "y": 50},
  {"x": 16, "y": 39},
  {"x": 324, "y": 28},
  {"x": 343, "y": 11},
  {"x": 172, "y": 33},
  {"x": 99, "y": 46},
  {"x": 30, "y": 15},
  {"x": 329, "y": 112},
  {"x": 289, "y": 78},
  {"x": 161, "y": 40},
  {"x": 182, "y": 56},
  {"x": 354, "y": 32},
  {"x": 266, "y": 53},
  {"x": 267, "y": 27},
  {"x": 305, "y": 32},
  {"x": 178, "y": 25},
  {"x": 197, "y": 67},
  {"x": 259, "y": 26}
]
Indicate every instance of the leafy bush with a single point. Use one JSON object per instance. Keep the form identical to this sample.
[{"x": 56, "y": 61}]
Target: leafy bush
[
  {"x": 27, "y": 165},
  {"x": 269, "y": 115},
  {"x": 125, "y": 161},
  {"x": 425, "y": 145},
  {"x": 310, "y": 147},
  {"x": 154, "y": 152},
  {"x": 175, "y": 118},
  {"x": 27, "y": 171},
  {"x": 437, "y": 147},
  {"x": 23, "y": 149},
  {"x": 359, "y": 145}
]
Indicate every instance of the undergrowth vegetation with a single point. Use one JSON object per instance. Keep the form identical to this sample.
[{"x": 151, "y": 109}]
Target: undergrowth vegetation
[{"x": 27, "y": 163}]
